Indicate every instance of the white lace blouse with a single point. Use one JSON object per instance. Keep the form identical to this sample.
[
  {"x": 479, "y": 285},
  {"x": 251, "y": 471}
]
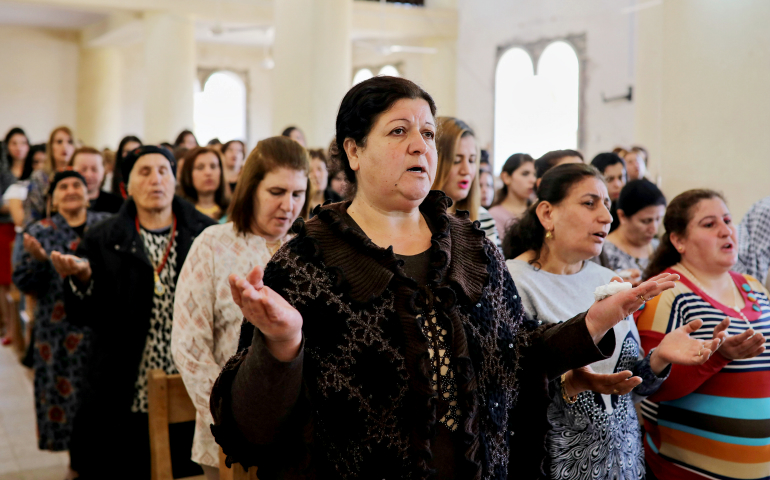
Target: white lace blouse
[{"x": 207, "y": 322}]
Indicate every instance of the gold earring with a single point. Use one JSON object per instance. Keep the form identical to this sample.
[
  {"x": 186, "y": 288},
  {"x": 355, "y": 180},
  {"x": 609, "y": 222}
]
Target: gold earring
[{"x": 548, "y": 235}]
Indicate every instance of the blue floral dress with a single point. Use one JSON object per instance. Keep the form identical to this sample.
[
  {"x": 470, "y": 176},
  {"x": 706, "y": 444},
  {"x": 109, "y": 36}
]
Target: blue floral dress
[{"x": 60, "y": 349}]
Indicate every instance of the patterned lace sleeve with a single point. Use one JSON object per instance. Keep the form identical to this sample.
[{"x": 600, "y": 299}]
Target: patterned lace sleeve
[{"x": 650, "y": 381}]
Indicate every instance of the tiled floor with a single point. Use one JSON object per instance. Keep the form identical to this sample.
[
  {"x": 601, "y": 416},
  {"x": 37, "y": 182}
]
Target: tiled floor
[{"x": 20, "y": 458}]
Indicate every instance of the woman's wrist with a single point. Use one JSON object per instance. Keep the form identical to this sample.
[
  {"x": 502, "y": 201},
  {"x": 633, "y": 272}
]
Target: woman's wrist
[
  {"x": 657, "y": 362},
  {"x": 284, "y": 350}
]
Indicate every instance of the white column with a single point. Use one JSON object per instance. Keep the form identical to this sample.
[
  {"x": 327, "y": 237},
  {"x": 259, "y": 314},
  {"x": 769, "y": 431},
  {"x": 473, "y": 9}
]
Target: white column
[
  {"x": 169, "y": 66},
  {"x": 312, "y": 73},
  {"x": 99, "y": 97}
]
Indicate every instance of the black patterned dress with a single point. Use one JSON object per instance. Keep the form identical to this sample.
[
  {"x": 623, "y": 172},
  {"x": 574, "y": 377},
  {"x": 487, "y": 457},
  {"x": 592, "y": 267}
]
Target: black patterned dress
[{"x": 60, "y": 348}]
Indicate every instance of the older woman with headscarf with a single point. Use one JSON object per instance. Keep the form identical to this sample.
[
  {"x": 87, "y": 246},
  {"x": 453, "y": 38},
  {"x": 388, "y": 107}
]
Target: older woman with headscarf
[
  {"x": 60, "y": 345},
  {"x": 121, "y": 284},
  {"x": 387, "y": 339}
]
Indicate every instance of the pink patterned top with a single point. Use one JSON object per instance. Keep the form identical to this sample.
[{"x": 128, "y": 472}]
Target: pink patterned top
[{"x": 207, "y": 322}]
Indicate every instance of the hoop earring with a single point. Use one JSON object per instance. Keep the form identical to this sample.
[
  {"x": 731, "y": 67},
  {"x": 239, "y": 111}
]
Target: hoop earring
[{"x": 548, "y": 235}]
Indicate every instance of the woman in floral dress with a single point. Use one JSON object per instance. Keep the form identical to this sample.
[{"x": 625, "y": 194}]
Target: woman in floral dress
[{"x": 60, "y": 348}]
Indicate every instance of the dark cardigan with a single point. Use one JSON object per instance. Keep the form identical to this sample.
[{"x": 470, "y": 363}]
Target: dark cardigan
[{"x": 357, "y": 402}]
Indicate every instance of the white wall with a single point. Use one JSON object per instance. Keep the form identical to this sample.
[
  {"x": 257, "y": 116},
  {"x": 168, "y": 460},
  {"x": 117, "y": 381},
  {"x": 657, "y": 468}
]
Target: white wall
[
  {"x": 38, "y": 83},
  {"x": 703, "y": 75},
  {"x": 483, "y": 26}
]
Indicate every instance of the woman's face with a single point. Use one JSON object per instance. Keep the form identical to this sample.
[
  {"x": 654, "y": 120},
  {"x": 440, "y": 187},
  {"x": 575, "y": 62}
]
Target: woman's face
[
  {"x": 396, "y": 168},
  {"x": 339, "y": 183},
  {"x": 463, "y": 171},
  {"x": 234, "y": 156},
  {"x": 18, "y": 147},
  {"x": 298, "y": 136},
  {"x": 487, "y": 184},
  {"x": 189, "y": 141},
  {"x": 62, "y": 149},
  {"x": 711, "y": 241},
  {"x": 641, "y": 227},
  {"x": 91, "y": 166},
  {"x": 69, "y": 196},
  {"x": 319, "y": 175},
  {"x": 580, "y": 223},
  {"x": 636, "y": 165},
  {"x": 521, "y": 183},
  {"x": 151, "y": 182},
  {"x": 128, "y": 147},
  {"x": 278, "y": 202},
  {"x": 615, "y": 176},
  {"x": 206, "y": 173},
  {"x": 38, "y": 160}
]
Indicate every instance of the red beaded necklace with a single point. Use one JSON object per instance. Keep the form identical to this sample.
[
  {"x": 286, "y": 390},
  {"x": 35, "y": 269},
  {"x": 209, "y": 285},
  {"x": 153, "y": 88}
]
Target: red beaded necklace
[{"x": 159, "y": 288}]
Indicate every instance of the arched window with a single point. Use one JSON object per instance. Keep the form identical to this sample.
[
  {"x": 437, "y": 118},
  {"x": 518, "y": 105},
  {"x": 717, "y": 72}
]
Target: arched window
[
  {"x": 220, "y": 109},
  {"x": 390, "y": 71},
  {"x": 536, "y": 113},
  {"x": 361, "y": 75}
]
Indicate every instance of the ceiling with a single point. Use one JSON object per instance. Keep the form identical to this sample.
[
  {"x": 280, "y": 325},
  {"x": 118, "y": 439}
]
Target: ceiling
[{"x": 12, "y": 13}]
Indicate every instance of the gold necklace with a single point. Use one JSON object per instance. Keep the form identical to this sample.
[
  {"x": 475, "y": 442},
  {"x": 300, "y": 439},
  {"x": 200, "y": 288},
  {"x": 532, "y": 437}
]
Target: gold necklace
[
  {"x": 736, "y": 298},
  {"x": 273, "y": 249}
]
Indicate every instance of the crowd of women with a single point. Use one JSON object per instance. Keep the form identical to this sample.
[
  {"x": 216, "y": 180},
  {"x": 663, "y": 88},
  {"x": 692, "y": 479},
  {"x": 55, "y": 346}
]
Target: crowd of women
[{"x": 379, "y": 309}]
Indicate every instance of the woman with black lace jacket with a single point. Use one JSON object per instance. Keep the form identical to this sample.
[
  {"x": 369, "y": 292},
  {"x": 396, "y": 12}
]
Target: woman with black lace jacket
[{"x": 387, "y": 339}]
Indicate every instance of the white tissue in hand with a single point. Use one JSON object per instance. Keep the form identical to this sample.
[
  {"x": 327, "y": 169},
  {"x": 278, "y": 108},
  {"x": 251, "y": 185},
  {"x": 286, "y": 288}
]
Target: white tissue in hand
[{"x": 611, "y": 289}]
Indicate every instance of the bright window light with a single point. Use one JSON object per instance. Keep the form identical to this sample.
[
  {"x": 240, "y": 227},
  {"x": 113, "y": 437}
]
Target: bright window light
[
  {"x": 536, "y": 113},
  {"x": 361, "y": 75},
  {"x": 220, "y": 109},
  {"x": 389, "y": 70}
]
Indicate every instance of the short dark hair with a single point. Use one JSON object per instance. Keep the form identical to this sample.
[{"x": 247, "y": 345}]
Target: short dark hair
[
  {"x": 287, "y": 131},
  {"x": 84, "y": 149},
  {"x": 607, "y": 159},
  {"x": 550, "y": 159},
  {"x": 364, "y": 103},
  {"x": 319, "y": 154},
  {"x": 269, "y": 154},
  {"x": 528, "y": 233},
  {"x": 229, "y": 144},
  {"x": 639, "y": 194}
]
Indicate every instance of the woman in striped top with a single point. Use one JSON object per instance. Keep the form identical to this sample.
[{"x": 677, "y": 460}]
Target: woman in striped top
[
  {"x": 712, "y": 420},
  {"x": 457, "y": 172}
]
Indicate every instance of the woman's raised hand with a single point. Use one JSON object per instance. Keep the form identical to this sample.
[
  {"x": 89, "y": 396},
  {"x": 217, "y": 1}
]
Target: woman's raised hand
[
  {"x": 279, "y": 322},
  {"x": 605, "y": 314},
  {"x": 748, "y": 344},
  {"x": 68, "y": 265},
  {"x": 33, "y": 247},
  {"x": 679, "y": 348},
  {"x": 585, "y": 379}
]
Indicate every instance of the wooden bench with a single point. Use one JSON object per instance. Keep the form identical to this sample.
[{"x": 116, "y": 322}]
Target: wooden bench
[{"x": 169, "y": 403}]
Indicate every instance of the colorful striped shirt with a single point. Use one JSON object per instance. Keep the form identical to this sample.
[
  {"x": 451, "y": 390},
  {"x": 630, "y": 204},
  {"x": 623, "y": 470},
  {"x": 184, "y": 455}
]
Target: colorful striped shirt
[{"x": 711, "y": 420}]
